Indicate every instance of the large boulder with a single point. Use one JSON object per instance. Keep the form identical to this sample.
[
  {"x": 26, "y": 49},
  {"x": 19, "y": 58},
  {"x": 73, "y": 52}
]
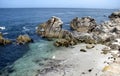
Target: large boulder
[
  {"x": 84, "y": 24},
  {"x": 50, "y": 29},
  {"x": 4, "y": 41},
  {"x": 22, "y": 39}
]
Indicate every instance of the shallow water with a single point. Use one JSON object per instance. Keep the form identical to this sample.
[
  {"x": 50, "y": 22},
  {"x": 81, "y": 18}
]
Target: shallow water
[{"x": 27, "y": 66}]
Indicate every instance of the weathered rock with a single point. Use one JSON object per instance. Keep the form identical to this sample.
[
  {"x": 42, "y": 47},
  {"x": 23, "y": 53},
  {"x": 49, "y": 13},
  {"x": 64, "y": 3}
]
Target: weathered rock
[
  {"x": 22, "y": 39},
  {"x": 51, "y": 29},
  {"x": 4, "y": 41},
  {"x": 90, "y": 46},
  {"x": 85, "y": 37},
  {"x": 85, "y": 30},
  {"x": 111, "y": 26},
  {"x": 85, "y": 24},
  {"x": 115, "y": 15}
]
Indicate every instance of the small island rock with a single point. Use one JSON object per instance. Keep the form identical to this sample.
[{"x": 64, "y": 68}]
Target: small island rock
[{"x": 22, "y": 39}]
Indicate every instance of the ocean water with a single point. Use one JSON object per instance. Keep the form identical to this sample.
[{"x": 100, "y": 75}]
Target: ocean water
[{"x": 14, "y": 21}]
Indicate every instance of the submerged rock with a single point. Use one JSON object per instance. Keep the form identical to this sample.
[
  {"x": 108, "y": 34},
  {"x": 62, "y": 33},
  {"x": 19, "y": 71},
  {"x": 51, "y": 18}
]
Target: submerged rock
[
  {"x": 4, "y": 41},
  {"x": 84, "y": 24},
  {"x": 22, "y": 39}
]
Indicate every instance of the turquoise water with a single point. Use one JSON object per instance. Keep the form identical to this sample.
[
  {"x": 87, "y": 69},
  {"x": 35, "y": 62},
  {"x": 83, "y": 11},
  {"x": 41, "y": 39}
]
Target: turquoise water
[{"x": 26, "y": 66}]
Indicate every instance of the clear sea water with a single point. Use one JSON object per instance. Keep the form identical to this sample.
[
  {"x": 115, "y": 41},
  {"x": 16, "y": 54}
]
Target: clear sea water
[{"x": 24, "y": 21}]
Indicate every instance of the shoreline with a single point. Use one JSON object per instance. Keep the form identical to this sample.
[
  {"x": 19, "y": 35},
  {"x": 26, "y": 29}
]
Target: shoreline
[
  {"x": 64, "y": 61},
  {"x": 76, "y": 63}
]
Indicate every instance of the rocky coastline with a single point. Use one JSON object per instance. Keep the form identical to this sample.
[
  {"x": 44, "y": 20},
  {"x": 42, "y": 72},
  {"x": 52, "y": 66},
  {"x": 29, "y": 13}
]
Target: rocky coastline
[
  {"x": 86, "y": 30},
  {"x": 86, "y": 35}
]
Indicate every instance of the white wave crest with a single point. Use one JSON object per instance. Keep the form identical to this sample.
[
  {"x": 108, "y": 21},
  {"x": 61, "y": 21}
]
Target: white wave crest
[
  {"x": 2, "y": 28},
  {"x": 25, "y": 29}
]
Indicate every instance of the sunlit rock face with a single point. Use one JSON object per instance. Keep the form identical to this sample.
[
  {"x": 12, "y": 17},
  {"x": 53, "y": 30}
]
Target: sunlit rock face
[
  {"x": 84, "y": 24},
  {"x": 4, "y": 41},
  {"x": 22, "y": 39},
  {"x": 51, "y": 28}
]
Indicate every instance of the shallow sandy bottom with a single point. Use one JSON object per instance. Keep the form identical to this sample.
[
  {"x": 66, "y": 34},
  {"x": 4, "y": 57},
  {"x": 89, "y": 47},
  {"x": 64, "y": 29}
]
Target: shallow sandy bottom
[{"x": 79, "y": 63}]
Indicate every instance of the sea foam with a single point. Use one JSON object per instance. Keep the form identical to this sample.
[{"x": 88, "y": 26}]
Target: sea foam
[{"x": 2, "y": 28}]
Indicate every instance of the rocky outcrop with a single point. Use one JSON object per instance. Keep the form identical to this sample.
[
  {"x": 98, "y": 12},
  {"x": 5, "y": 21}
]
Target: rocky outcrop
[
  {"x": 84, "y": 24},
  {"x": 4, "y": 41},
  {"x": 85, "y": 30},
  {"x": 112, "y": 26},
  {"x": 22, "y": 39},
  {"x": 51, "y": 29},
  {"x": 115, "y": 15},
  {"x": 108, "y": 31}
]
